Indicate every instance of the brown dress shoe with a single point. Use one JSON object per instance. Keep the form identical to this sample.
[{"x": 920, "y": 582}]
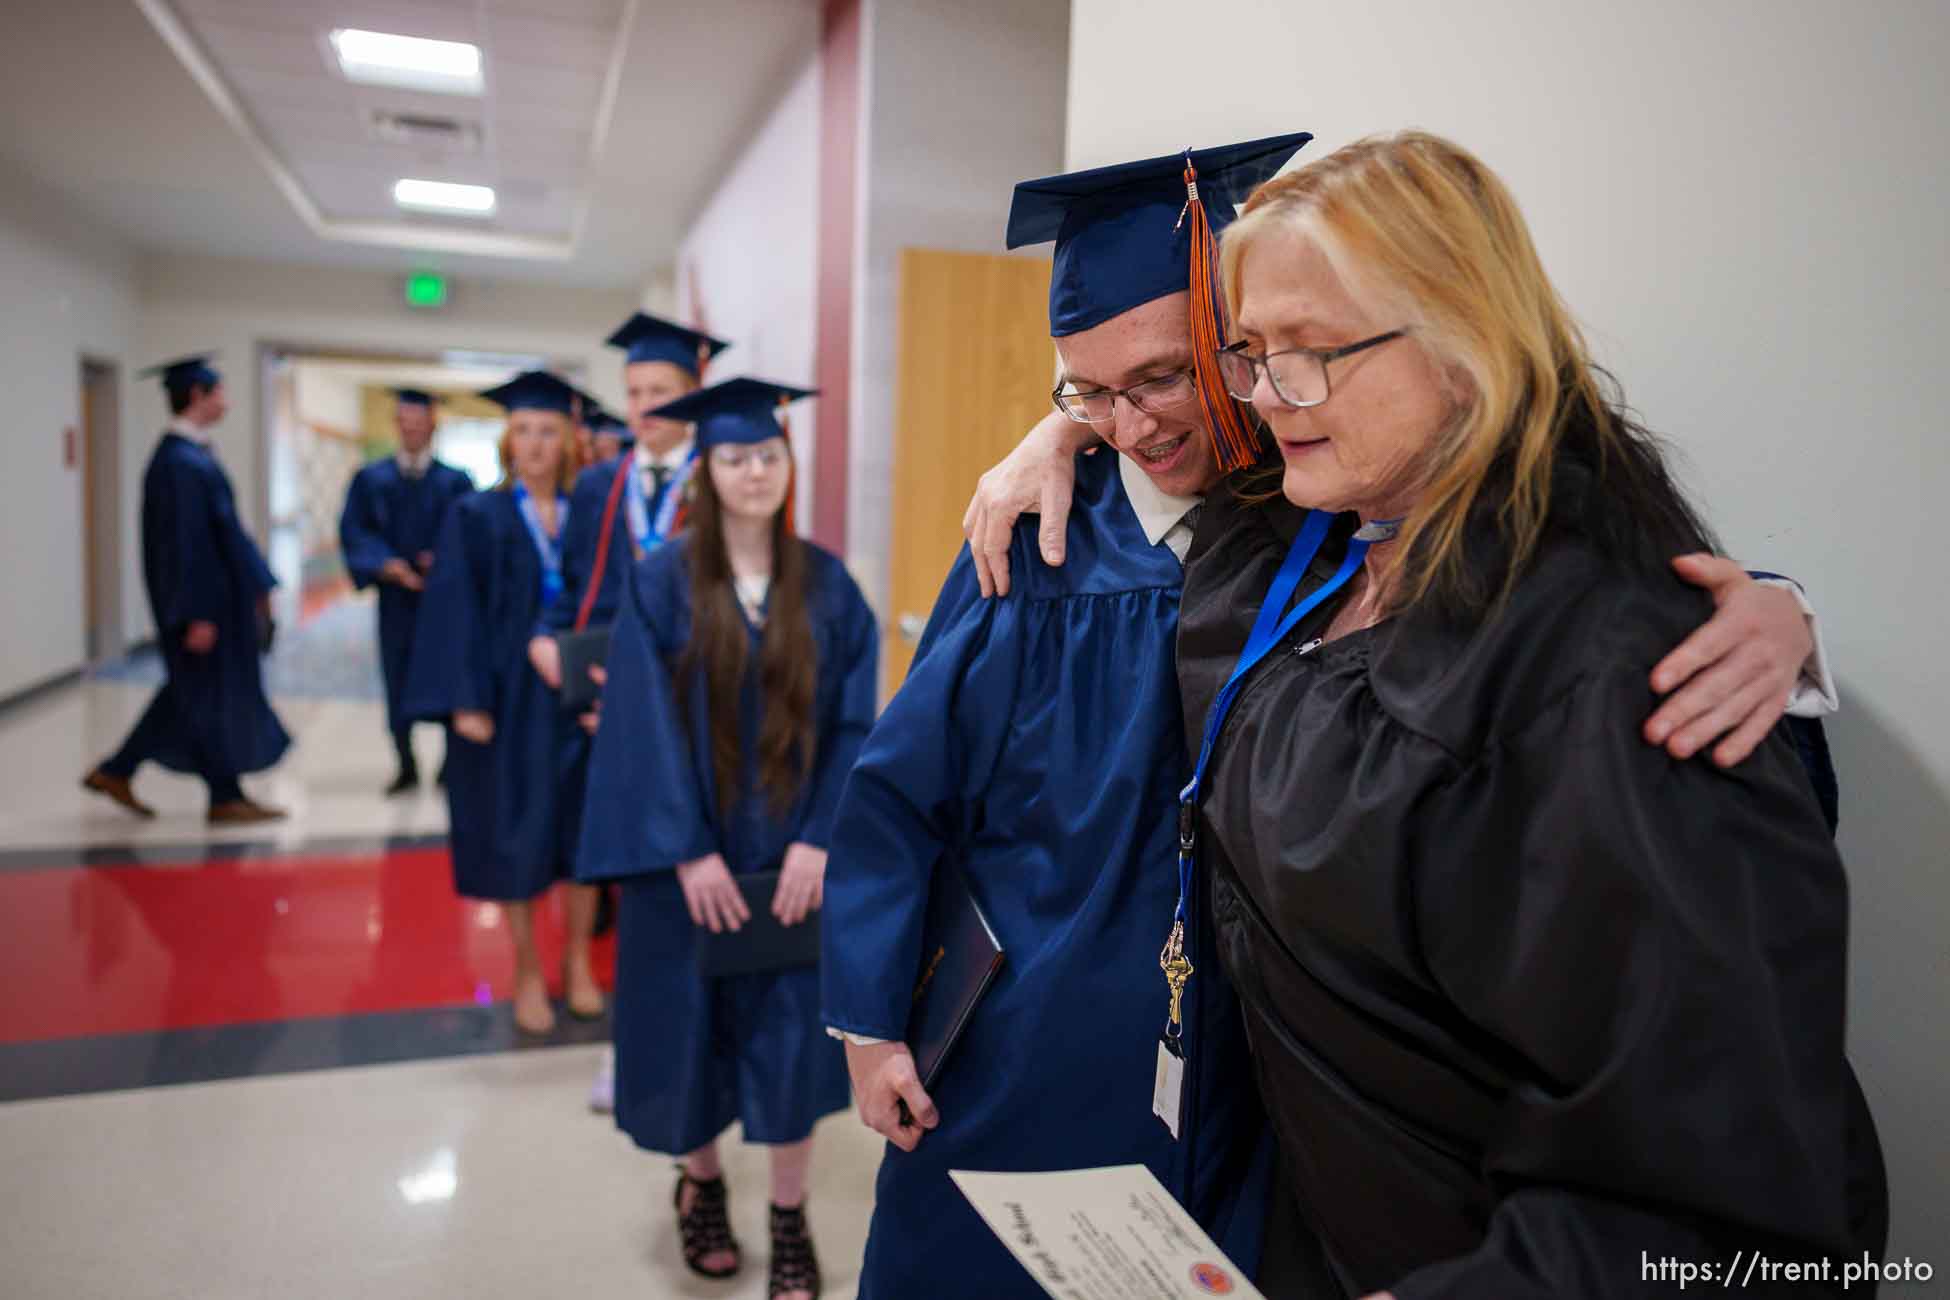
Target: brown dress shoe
[
  {"x": 242, "y": 812},
  {"x": 118, "y": 789}
]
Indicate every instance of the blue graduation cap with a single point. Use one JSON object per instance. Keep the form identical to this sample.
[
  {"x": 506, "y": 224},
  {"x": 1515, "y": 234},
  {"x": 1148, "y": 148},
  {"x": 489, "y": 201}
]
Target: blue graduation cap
[
  {"x": 601, "y": 421},
  {"x": 412, "y": 397},
  {"x": 535, "y": 390},
  {"x": 184, "y": 373},
  {"x": 1134, "y": 232},
  {"x": 736, "y": 411},
  {"x": 650, "y": 338},
  {"x": 1122, "y": 239}
]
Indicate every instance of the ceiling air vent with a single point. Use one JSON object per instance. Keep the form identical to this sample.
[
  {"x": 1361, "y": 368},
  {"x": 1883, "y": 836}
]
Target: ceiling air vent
[{"x": 426, "y": 130}]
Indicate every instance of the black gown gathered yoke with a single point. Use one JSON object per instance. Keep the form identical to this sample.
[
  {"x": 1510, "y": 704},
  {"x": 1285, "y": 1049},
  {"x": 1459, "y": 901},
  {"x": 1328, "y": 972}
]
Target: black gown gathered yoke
[{"x": 1530, "y": 1001}]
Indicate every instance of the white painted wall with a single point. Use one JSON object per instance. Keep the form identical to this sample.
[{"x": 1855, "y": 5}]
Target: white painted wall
[
  {"x": 188, "y": 304},
  {"x": 747, "y": 268},
  {"x": 960, "y": 102},
  {"x": 1745, "y": 202},
  {"x": 64, "y": 293}
]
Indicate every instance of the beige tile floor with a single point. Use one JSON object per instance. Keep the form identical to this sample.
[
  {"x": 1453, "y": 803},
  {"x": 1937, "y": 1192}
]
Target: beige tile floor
[
  {"x": 483, "y": 1178},
  {"x": 331, "y": 781}
]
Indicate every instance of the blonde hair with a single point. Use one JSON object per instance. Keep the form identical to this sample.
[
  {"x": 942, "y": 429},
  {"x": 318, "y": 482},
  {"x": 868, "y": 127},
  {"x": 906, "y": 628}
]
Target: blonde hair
[
  {"x": 567, "y": 465},
  {"x": 1419, "y": 225}
]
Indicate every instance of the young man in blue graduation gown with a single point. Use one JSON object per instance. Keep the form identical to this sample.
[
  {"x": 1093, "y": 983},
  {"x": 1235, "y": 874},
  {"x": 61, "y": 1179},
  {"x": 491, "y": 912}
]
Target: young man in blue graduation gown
[
  {"x": 683, "y": 722},
  {"x": 209, "y": 591},
  {"x": 662, "y": 361},
  {"x": 1038, "y": 743},
  {"x": 515, "y": 761},
  {"x": 392, "y": 515}
]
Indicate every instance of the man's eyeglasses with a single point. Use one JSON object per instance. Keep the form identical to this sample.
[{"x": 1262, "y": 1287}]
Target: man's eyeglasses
[
  {"x": 1153, "y": 397},
  {"x": 1299, "y": 375}
]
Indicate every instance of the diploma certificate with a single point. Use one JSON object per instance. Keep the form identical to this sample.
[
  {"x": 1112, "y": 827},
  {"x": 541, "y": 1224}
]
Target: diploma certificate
[{"x": 1103, "y": 1234}]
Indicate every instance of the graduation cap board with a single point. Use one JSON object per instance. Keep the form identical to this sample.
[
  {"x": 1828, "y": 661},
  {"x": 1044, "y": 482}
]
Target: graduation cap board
[
  {"x": 184, "y": 373},
  {"x": 737, "y": 411},
  {"x": 644, "y": 337},
  {"x": 412, "y": 397},
  {"x": 1133, "y": 232},
  {"x": 535, "y": 390}
]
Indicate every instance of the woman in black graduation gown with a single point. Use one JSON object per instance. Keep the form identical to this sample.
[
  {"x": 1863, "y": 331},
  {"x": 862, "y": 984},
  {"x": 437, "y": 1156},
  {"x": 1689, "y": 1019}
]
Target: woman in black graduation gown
[
  {"x": 741, "y": 683},
  {"x": 516, "y": 762},
  {"x": 1534, "y": 1006}
]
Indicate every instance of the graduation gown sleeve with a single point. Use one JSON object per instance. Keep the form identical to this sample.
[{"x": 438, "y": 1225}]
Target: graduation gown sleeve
[
  {"x": 452, "y": 667},
  {"x": 365, "y": 546},
  {"x": 185, "y": 571},
  {"x": 649, "y": 806},
  {"x": 845, "y": 729},
  {"x": 915, "y": 789},
  {"x": 1691, "y": 1031}
]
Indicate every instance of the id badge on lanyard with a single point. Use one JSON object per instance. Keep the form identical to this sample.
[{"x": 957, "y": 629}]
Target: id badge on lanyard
[{"x": 1275, "y": 621}]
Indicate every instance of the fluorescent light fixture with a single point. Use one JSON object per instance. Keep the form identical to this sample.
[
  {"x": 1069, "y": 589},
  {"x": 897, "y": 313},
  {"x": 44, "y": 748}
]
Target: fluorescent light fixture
[
  {"x": 444, "y": 196},
  {"x": 412, "y": 62}
]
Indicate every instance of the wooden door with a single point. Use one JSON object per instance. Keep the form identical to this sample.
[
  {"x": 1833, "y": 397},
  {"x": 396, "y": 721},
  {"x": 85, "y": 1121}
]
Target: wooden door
[{"x": 975, "y": 366}]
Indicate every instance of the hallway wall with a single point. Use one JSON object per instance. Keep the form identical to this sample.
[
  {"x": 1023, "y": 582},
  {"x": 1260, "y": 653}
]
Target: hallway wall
[{"x": 69, "y": 293}]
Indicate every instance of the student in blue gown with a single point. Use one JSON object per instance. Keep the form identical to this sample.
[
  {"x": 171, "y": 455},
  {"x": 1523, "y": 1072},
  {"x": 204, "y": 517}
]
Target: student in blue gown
[
  {"x": 209, "y": 591},
  {"x": 392, "y": 515},
  {"x": 741, "y": 682},
  {"x": 515, "y": 761},
  {"x": 1038, "y": 742},
  {"x": 662, "y": 361},
  {"x": 610, "y": 435}
]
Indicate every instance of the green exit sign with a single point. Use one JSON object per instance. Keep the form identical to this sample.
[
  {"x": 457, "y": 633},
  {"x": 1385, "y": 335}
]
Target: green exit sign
[{"x": 425, "y": 289}]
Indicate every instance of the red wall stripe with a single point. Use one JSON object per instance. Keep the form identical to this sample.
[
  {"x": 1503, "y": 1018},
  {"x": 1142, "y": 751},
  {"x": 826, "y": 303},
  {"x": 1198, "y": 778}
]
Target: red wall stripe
[{"x": 839, "y": 127}]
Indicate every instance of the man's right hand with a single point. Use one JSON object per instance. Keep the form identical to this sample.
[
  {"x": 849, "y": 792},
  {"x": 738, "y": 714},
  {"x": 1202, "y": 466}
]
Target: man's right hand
[
  {"x": 201, "y": 638},
  {"x": 474, "y": 725},
  {"x": 401, "y": 574},
  {"x": 883, "y": 1076},
  {"x": 546, "y": 657},
  {"x": 712, "y": 895},
  {"x": 1040, "y": 474}
]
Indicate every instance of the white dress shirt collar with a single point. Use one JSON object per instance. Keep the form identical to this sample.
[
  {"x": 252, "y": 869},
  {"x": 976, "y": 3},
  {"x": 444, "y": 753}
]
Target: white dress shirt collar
[
  {"x": 184, "y": 429},
  {"x": 414, "y": 466},
  {"x": 1159, "y": 514},
  {"x": 674, "y": 459}
]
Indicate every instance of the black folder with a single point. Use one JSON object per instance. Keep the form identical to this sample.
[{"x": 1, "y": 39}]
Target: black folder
[
  {"x": 580, "y": 652},
  {"x": 960, "y": 958},
  {"x": 762, "y": 943}
]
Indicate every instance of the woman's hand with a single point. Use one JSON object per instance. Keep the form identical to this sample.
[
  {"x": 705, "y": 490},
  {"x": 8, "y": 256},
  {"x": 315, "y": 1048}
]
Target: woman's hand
[
  {"x": 712, "y": 895},
  {"x": 1737, "y": 671},
  {"x": 545, "y": 657},
  {"x": 594, "y": 718},
  {"x": 802, "y": 884},
  {"x": 1040, "y": 474},
  {"x": 201, "y": 638},
  {"x": 883, "y": 1076},
  {"x": 401, "y": 574},
  {"x": 476, "y": 725}
]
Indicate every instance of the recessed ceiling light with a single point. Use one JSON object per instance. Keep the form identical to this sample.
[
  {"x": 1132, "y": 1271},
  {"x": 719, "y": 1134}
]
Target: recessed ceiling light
[
  {"x": 414, "y": 62},
  {"x": 444, "y": 196}
]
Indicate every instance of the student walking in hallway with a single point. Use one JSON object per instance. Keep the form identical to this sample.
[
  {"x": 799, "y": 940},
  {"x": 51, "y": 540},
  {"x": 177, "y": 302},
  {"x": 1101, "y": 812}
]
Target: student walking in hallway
[
  {"x": 392, "y": 516},
  {"x": 209, "y": 590}
]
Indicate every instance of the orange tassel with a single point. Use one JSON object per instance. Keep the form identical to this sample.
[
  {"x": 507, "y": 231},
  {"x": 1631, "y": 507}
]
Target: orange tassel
[{"x": 1233, "y": 438}]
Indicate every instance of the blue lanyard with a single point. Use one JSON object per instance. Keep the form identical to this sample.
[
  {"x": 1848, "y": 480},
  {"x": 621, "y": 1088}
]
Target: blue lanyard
[
  {"x": 548, "y": 548},
  {"x": 652, "y": 533},
  {"x": 1269, "y": 629}
]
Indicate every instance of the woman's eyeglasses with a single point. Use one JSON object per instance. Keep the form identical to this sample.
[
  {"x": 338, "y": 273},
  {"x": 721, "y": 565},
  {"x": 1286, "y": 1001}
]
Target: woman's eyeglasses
[
  {"x": 736, "y": 458},
  {"x": 1298, "y": 375}
]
